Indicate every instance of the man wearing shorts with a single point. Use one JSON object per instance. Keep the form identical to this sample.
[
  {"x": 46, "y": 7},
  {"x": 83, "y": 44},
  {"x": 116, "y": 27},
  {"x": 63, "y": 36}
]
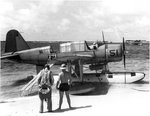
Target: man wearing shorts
[{"x": 63, "y": 85}]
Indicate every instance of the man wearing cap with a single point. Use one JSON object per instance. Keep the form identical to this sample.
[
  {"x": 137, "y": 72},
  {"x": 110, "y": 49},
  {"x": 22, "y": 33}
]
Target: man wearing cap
[
  {"x": 45, "y": 81},
  {"x": 63, "y": 85}
]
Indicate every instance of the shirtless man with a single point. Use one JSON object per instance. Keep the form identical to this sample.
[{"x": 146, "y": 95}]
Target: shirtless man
[{"x": 63, "y": 85}]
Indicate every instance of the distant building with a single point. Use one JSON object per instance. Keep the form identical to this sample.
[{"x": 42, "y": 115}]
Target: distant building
[
  {"x": 136, "y": 42},
  {"x": 144, "y": 41},
  {"x": 129, "y": 41}
]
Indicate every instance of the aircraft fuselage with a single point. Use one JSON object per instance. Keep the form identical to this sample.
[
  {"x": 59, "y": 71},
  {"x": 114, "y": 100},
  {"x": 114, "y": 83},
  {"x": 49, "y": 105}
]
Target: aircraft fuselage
[{"x": 41, "y": 56}]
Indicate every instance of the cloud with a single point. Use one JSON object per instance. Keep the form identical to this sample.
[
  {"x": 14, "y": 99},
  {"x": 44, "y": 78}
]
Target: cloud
[
  {"x": 128, "y": 16},
  {"x": 64, "y": 25},
  {"x": 143, "y": 21},
  {"x": 126, "y": 6},
  {"x": 83, "y": 19},
  {"x": 34, "y": 17},
  {"x": 6, "y": 7}
]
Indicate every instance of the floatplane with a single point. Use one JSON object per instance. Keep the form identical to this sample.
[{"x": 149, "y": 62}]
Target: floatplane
[{"x": 76, "y": 55}]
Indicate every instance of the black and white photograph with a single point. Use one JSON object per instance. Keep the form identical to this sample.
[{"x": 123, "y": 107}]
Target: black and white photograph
[{"x": 74, "y": 57}]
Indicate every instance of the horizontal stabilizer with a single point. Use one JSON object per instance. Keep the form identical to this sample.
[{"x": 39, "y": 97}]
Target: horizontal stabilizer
[{"x": 9, "y": 55}]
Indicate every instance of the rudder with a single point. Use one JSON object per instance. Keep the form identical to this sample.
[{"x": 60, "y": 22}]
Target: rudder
[{"x": 15, "y": 42}]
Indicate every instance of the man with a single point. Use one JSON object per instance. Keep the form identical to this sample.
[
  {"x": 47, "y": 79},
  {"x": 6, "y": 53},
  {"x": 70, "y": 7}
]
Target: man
[
  {"x": 63, "y": 85},
  {"x": 45, "y": 81}
]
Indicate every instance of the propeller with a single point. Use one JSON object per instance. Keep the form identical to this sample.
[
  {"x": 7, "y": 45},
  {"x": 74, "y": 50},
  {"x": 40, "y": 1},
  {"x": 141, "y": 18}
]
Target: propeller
[
  {"x": 124, "y": 56},
  {"x": 105, "y": 46},
  {"x": 103, "y": 37},
  {"x": 105, "y": 50}
]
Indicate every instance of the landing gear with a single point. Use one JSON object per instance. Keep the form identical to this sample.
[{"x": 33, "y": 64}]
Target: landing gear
[
  {"x": 79, "y": 76},
  {"x": 105, "y": 69},
  {"x": 81, "y": 70},
  {"x": 78, "y": 71}
]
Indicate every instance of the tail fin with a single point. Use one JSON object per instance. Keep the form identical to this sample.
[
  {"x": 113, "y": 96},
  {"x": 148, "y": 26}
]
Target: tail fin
[{"x": 15, "y": 42}]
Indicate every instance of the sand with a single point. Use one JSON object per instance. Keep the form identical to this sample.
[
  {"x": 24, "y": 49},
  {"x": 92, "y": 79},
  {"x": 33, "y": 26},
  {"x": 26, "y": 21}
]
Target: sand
[{"x": 117, "y": 102}]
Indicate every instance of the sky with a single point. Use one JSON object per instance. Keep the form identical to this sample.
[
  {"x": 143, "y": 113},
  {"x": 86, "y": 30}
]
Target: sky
[{"x": 76, "y": 20}]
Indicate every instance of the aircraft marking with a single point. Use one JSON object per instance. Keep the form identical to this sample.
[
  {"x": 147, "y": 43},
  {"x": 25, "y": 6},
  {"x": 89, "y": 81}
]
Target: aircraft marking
[{"x": 114, "y": 53}]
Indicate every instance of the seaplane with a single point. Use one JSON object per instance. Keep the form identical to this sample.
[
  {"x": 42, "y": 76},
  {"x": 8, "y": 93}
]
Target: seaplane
[{"x": 77, "y": 56}]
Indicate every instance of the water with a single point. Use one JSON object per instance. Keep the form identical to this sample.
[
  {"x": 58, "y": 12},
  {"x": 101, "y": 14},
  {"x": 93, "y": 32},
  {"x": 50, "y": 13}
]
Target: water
[{"x": 13, "y": 74}]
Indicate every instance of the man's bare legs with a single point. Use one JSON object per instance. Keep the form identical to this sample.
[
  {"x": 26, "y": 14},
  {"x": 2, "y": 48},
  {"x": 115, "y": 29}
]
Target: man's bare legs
[
  {"x": 60, "y": 98},
  {"x": 68, "y": 98}
]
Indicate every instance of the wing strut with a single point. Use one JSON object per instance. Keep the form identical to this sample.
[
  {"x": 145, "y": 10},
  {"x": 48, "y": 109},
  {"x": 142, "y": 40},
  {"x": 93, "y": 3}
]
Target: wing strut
[{"x": 81, "y": 70}]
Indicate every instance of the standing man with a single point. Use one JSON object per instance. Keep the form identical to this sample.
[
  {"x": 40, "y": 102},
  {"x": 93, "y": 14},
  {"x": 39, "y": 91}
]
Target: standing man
[
  {"x": 45, "y": 81},
  {"x": 63, "y": 85}
]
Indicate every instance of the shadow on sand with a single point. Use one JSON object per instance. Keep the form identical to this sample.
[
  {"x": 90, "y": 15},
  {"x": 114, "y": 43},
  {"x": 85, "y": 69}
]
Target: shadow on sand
[
  {"x": 68, "y": 109},
  {"x": 84, "y": 89},
  {"x": 22, "y": 81},
  {"x": 90, "y": 88},
  {"x": 6, "y": 101}
]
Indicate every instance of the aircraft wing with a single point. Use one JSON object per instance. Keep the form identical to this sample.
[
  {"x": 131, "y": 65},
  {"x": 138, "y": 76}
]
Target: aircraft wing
[
  {"x": 73, "y": 57},
  {"x": 8, "y": 55},
  {"x": 83, "y": 55}
]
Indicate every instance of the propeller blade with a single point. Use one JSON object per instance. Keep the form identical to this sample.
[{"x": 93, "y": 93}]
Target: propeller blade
[
  {"x": 124, "y": 56},
  {"x": 105, "y": 50},
  {"x": 103, "y": 37},
  {"x": 124, "y": 61}
]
